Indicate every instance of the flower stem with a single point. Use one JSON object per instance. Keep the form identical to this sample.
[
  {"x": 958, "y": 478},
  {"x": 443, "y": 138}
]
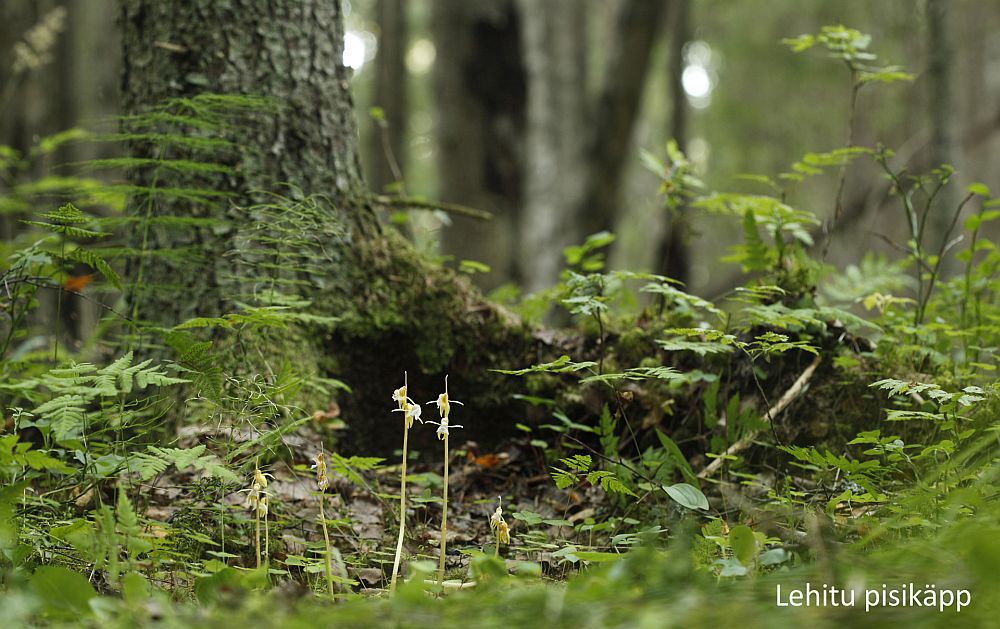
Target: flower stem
[
  {"x": 444, "y": 513},
  {"x": 257, "y": 536},
  {"x": 402, "y": 511},
  {"x": 329, "y": 552}
]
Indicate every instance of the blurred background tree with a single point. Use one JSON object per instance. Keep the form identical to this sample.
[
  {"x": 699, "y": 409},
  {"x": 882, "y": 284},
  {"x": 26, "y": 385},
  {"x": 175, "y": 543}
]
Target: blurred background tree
[{"x": 536, "y": 112}]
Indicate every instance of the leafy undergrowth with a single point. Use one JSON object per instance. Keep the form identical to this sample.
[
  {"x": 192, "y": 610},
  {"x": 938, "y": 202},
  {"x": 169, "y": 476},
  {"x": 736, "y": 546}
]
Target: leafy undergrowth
[{"x": 812, "y": 428}]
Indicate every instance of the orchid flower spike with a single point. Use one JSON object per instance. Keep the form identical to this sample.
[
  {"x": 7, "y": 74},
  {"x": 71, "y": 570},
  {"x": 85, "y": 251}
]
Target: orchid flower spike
[
  {"x": 256, "y": 494},
  {"x": 497, "y": 516},
  {"x": 499, "y": 525},
  {"x": 410, "y": 409},
  {"x": 443, "y": 404},
  {"x": 322, "y": 480}
]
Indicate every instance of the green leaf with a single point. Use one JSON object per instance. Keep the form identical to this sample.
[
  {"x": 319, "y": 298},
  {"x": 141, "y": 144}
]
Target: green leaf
[
  {"x": 528, "y": 517},
  {"x": 596, "y": 556},
  {"x": 62, "y": 592},
  {"x": 731, "y": 568},
  {"x": 563, "y": 364},
  {"x": 578, "y": 462},
  {"x": 675, "y": 454},
  {"x": 94, "y": 260},
  {"x": 472, "y": 266},
  {"x": 687, "y": 496},
  {"x": 744, "y": 544},
  {"x": 979, "y": 188},
  {"x": 135, "y": 588},
  {"x": 636, "y": 374},
  {"x": 773, "y": 557}
]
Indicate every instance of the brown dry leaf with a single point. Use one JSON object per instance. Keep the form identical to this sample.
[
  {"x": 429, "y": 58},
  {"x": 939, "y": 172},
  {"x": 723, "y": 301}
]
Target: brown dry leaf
[
  {"x": 76, "y": 283},
  {"x": 489, "y": 461},
  {"x": 324, "y": 418}
]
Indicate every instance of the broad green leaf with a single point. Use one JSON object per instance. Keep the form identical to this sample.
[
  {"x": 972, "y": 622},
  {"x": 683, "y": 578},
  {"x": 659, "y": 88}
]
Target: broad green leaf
[
  {"x": 687, "y": 496},
  {"x": 62, "y": 592},
  {"x": 744, "y": 544}
]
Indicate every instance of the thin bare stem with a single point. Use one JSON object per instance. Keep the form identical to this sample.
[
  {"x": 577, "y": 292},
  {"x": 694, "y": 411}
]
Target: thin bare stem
[
  {"x": 257, "y": 536},
  {"x": 329, "y": 552},
  {"x": 838, "y": 208},
  {"x": 413, "y": 203},
  {"x": 922, "y": 307},
  {"x": 402, "y": 497},
  {"x": 444, "y": 512}
]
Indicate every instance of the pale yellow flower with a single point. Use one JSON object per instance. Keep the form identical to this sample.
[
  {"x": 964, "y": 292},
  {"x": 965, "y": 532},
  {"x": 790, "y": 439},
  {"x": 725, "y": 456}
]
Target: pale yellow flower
[
  {"x": 256, "y": 494},
  {"x": 410, "y": 409},
  {"x": 503, "y": 532},
  {"x": 443, "y": 404},
  {"x": 497, "y": 516},
  {"x": 322, "y": 480},
  {"x": 499, "y": 526},
  {"x": 399, "y": 395}
]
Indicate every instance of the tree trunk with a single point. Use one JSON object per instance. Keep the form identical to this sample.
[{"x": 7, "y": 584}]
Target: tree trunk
[
  {"x": 396, "y": 310},
  {"x": 388, "y": 153},
  {"x": 480, "y": 84},
  {"x": 944, "y": 146},
  {"x": 673, "y": 260},
  {"x": 554, "y": 43},
  {"x": 636, "y": 28}
]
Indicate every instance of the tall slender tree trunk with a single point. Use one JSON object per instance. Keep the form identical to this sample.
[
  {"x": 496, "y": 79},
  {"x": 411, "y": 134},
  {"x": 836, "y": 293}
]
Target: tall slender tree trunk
[
  {"x": 396, "y": 310},
  {"x": 554, "y": 41},
  {"x": 635, "y": 31},
  {"x": 673, "y": 260},
  {"x": 480, "y": 84},
  {"x": 387, "y": 143},
  {"x": 941, "y": 97}
]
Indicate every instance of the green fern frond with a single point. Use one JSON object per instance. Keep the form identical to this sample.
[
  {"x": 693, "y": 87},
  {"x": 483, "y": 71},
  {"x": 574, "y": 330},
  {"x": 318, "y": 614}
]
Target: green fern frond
[
  {"x": 191, "y": 194},
  {"x": 156, "y": 460},
  {"x": 194, "y": 142},
  {"x": 68, "y": 230},
  {"x": 94, "y": 260},
  {"x": 66, "y": 215},
  {"x": 175, "y": 165}
]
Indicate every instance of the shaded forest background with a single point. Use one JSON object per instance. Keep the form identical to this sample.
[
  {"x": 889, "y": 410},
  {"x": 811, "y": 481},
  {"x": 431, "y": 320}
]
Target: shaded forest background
[
  {"x": 536, "y": 112},
  {"x": 830, "y": 416}
]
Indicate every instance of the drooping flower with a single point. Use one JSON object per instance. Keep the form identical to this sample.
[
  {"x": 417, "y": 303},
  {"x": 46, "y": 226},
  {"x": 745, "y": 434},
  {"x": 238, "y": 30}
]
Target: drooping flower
[
  {"x": 322, "y": 480},
  {"x": 443, "y": 404},
  {"x": 497, "y": 516},
  {"x": 503, "y": 532},
  {"x": 499, "y": 526},
  {"x": 410, "y": 409},
  {"x": 256, "y": 494},
  {"x": 399, "y": 395}
]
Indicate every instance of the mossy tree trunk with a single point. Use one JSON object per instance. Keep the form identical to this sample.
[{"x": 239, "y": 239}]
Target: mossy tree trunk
[{"x": 397, "y": 311}]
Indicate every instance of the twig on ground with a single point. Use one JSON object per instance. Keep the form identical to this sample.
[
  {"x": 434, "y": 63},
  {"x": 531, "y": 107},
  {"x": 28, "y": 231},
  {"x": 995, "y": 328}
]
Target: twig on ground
[
  {"x": 793, "y": 392},
  {"x": 414, "y": 203}
]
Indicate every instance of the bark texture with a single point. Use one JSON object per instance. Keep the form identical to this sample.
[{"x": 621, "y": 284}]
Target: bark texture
[
  {"x": 397, "y": 311},
  {"x": 287, "y": 52}
]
